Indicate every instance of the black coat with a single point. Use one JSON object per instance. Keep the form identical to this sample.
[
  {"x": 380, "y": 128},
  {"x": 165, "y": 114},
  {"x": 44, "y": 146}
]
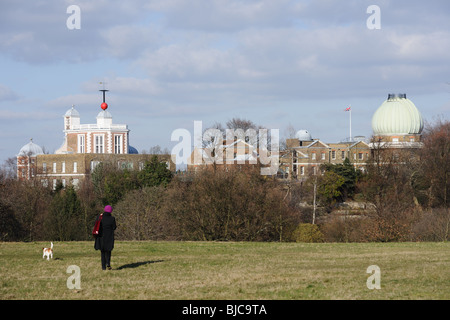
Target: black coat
[{"x": 105, "y": 239}]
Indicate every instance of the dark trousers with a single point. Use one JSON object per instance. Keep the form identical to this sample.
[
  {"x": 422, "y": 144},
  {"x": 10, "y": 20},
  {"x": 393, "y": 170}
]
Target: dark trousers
[{"x": 106, "y": 259}]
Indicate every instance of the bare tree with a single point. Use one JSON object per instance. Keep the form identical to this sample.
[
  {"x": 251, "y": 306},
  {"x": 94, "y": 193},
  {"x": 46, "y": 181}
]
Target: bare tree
[
  {"x": 435, "y": 164},
  {"x": 387, "y": 185}
]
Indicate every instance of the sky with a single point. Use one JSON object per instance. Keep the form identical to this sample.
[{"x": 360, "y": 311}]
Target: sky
[{"x": 167, "y": 63}]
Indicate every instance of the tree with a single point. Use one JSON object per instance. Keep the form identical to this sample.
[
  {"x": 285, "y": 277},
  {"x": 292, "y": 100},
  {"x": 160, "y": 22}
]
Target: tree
[
  {"x": 140, "y": 216},
  {"x": 154, "y": 173},
  {"x": 307, "y": 232},
  {"x": 387, "y": 185},
  {"x": 330, "y": 188},
  {"x": 8, "y": 171},
  {"x": 29, "y": 201},
  {"x": 90, "y": 206},
  {"x": 237, "y": 205},
  {"x": 10, "y": 228},
  {"x": 433, "y": 176},
  {"x": 158, "y": 150},
  {"x": 64, "y": 222},
  {"x": 350, "y": 175},
  {"x": 112, "y": 183},
  {"x": 433, "y": 225}
]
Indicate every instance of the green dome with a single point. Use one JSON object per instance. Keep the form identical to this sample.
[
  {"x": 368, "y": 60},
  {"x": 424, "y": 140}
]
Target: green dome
[{"x": 397, "y": 116}]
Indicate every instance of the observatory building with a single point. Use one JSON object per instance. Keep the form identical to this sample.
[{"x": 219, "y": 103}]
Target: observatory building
[
  {"x": 396, "y": 124},
  {"x": 84, "y": 147}
]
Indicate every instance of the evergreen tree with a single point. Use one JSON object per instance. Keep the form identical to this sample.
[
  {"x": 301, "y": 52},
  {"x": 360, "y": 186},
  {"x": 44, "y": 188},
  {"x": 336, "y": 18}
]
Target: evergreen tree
[
  {"x": 350, "y": 175},
  {"x": 64, "y": 222},
  {"x": 155, "y": 173}
]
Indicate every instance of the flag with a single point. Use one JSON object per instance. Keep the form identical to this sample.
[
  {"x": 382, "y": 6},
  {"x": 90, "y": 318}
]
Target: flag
[{"x": 348, "y": 109}]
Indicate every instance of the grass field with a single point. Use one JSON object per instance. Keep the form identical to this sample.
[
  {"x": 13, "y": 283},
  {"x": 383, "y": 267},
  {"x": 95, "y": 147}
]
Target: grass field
[{"x": 227, "y": 270}]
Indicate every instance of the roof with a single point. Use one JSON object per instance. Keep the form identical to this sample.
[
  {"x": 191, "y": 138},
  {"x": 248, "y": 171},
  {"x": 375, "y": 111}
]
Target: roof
[
  {"x": 397, "y": 115},
  {"x": 30, "y": 149},
  {"x": 72, "y": 112}
]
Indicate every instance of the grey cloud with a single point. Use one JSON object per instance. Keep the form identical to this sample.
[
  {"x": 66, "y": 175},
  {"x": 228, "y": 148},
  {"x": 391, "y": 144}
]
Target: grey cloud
[
  {"x": 226, "y": 15},
  {"x": 36, "y": 31}
]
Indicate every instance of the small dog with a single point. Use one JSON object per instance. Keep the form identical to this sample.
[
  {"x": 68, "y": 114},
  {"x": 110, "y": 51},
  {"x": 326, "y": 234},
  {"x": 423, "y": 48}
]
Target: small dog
[{"x": 48, "y": 252}]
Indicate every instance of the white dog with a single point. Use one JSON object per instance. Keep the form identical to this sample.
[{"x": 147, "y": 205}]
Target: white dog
[{"x": 48, "y": 252}]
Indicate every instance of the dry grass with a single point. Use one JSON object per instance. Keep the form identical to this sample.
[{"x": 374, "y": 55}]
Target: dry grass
[{"x": 227, "y": 270}]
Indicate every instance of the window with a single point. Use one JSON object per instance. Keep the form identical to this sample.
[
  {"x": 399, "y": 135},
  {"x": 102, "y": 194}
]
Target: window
[
  {"x": 75, "y": 182},
  {"x": 354, "y": 155},
  {"x": 302, "y": 170},
  {"x": 44, "y": 167},
  {"x": 360, "y": 156},
  {"x": 54, "y": 184},
  {"x": 81, "y": 144},
  {"x": 411, "y": 139},
  {"x": 117, "y": 144},
  {"x": 75, "y": 167},
  {"x": 333, "y": 154},
  {"x": 343, "y": 155},
  {"x": 54, "y": 167},
  {"x": 323, "y": 156},
  {"x": 63, "y": 167},
  {"x": 125, "y": 165},
  {"x": 98, "y": 143},
  {"x": 94, "y": 164},
  {"x": 394, "y": 139},
  {"x": 64, "y": 183},
  {"x": 313, "y": 156}
]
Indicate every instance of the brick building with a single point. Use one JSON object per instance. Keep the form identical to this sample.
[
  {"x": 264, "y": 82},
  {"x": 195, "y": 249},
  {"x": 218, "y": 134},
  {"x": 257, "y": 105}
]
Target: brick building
[
  {"x": 84, "y": 147},
  {"x": 397, "y": 124},
  {"x": 304, "y": 156}
]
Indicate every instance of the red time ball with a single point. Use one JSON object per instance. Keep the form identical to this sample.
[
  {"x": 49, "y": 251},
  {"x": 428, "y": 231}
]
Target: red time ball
[{"x": 104, "y": 105}]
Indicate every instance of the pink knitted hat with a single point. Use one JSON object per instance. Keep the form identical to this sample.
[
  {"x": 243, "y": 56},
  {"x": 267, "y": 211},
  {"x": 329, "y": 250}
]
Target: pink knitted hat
[{"x": 108, "y": 209}]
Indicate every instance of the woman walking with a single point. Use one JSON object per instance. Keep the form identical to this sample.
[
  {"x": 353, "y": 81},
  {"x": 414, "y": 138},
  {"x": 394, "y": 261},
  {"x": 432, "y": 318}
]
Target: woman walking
[{"x": 104, "y": 241}]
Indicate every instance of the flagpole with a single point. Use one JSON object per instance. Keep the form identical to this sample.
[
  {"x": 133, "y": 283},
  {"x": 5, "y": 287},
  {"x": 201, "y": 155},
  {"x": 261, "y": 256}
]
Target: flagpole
[{"x": 350, "y": 124}]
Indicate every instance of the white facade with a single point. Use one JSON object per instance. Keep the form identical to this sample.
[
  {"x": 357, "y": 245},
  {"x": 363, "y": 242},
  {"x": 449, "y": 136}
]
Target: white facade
[{"x": 101, "y": 137}]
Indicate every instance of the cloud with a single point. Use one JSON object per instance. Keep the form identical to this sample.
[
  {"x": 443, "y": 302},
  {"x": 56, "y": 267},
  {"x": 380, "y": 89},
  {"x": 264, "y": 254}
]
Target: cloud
[
  {"x": 6, "y": 94},
  {"x": 24, "y": 115},
  {"x": 36, "y": 31},
  {"x": 226, "y": 15},
  {"x": 180, "y": 60}
]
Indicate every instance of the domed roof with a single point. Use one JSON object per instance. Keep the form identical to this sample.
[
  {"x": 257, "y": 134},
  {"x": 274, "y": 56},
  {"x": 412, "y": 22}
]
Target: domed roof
[
  {"x": 30, "y": 149},
  {"x": 397, "y": 115},
  {"x": 72, "y": 112},
  {"x": 132, "y": 150},
  {"x": 303, "y": 135},
  {"x": 104, "y": 114}
]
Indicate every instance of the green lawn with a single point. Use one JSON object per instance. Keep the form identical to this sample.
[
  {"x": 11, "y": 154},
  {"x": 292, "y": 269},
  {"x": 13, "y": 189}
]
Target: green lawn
[{"x": 227, "y": 270}]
